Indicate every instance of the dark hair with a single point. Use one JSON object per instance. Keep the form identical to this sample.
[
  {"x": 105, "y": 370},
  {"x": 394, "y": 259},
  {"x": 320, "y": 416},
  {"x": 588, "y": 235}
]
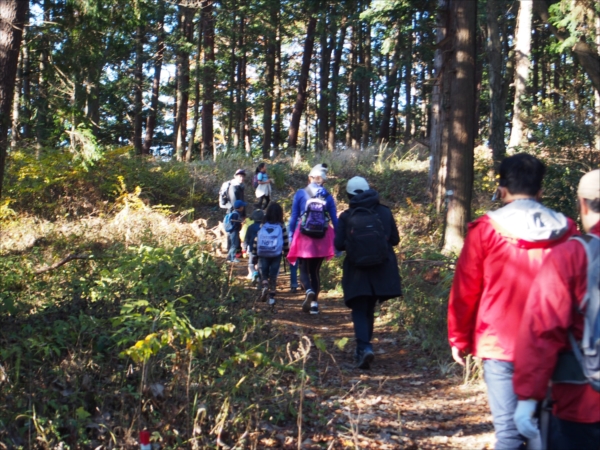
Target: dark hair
[
  {"x": 594, "y": 204},
  {"x": 259, "y": 167},
  {"x": 274, "y": 213},
  {"x": 522, "y": 174}
]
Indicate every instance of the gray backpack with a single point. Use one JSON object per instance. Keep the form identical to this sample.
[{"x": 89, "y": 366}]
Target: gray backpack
[{"x": 582, "y": 365}]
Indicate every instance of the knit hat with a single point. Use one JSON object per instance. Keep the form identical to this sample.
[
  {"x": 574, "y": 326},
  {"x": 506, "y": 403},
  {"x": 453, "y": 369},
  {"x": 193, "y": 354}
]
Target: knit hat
[
  {"x": 258, "y": 215},
  {"x": 589, "y": 185},
  {"x": 320, "y": 170},
  {"x": 357, "y": 184}
]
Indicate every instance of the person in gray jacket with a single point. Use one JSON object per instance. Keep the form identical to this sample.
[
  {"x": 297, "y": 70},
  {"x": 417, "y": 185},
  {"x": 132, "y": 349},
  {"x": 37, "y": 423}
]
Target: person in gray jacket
[{"x": 368, "y": 275}]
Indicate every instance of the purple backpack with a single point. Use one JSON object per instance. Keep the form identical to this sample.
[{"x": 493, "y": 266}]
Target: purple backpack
[{"x": 315, "y": 219}]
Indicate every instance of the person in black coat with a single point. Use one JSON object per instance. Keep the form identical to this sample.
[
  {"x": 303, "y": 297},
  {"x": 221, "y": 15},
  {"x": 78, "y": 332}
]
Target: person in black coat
[{"x": 364, "y": 286}]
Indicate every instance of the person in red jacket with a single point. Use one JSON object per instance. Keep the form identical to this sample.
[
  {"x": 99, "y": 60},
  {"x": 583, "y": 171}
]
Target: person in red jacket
[
  {"x": 550, "y": 313},
  {"x": 502, "y": 253}
]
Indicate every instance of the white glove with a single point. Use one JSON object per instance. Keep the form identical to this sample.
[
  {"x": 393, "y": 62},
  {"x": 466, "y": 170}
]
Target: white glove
[{"x": 524, "y": 420}]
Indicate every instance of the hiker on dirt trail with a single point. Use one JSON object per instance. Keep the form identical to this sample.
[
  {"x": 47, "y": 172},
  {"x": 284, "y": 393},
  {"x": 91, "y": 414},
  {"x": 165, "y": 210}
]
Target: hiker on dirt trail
[
  {"x": 232, "y": 190},
  {"x": 270, "y": 243},
  {"x": 312, "y": 237},
  {"x": 502, "y": 254},
  {"x": 367, "y": 232},
  {"x": 233, "y": 225},
  {"x": 262, "y": 185},
  {"x": 554, "y": 310},
  {"x": 251, "y": 232}
]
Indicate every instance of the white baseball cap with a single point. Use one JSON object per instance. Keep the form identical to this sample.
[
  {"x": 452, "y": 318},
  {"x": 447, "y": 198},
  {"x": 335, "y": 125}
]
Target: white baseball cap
[{"x": 356, "y": 184}]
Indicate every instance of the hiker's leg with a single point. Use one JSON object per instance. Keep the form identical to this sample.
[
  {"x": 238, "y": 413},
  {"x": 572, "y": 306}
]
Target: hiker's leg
[
  {"x": 503, "y": 403},
  {"x": 294, "y": 275},
  {"x": 360, "y": 319},
  {"x": 567, "y": 435},
  {"x": 263, "y": 263},
  {"x": 314, "y": 267},
  {"x": 372, "y": 302},
  {"x": 273, "y": 271},
  {"x": 232, "y": 245},
  {"x": 304, "y": 277},
  {"x": 267, "y": 200}
]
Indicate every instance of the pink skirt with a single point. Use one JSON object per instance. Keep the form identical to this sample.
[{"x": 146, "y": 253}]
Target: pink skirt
[{"x": 306, "y": 247}]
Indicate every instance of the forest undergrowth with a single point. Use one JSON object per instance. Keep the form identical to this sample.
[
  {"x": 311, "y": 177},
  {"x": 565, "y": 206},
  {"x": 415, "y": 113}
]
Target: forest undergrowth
[{"x": 118, "y": 314}]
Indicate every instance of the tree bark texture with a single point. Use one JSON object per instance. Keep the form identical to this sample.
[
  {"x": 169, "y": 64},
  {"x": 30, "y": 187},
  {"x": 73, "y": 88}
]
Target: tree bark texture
[
  {"x": 208, "y": 85},
  {"x": 366, "y": 85},
  {"x": 13, "y": 14},
  {"x": 302, "y": 83},
  {"x": 192, "y": 141},
  {"x": 158, "y": 60},
  {"x": 407, "y": 90},
  {"x": 270, "y": 50},
  {"x": 390, "y": 88},
  {"x": 183, "y": 84},
  {"x": 461, "y": 123},
  {"x": 496, "y": 81},
  {"x": 138, "y": 75},
  {"x": 522, "y": 64},
  {"x": 335, "y": 75}
]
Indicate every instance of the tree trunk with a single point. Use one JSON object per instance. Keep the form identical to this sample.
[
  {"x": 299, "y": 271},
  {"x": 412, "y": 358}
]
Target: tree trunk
[
  {"x": 192, "y": 142},
  {"x": 408, "y": 89},
  {"x": 41, "y": 124},
  {"x": 271, "y": 48},
  {"x": 14, "y": 130},
  {"x": 497, "y": 99},
  {"x": 522, "y": 53},
  {"x": 335, "y": 78},
  {"x": 366, "y": 112},
  {"x": 302, "y": 83},
  {"x": 208, "y": 85},
  {"x": 587, "y": 55},
  {"x": 138, "y": 75},
  {"x": 13, "y": 14},
  {"x": 26, "y": 111},
  {"x": 327, "y": 43},
  {"x": 390, "y": 88},
  {"x": 278, "y": 71},
  {"x": 440, "y": 100},
  {"x": 351, "y": 90},
  {"x": 160, "y": 51},
  {"x": 461, "y": 123},
  {"x": 183, "y": 85}
]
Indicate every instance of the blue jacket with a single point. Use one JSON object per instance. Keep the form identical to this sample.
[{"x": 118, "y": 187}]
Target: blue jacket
[
  {"x": 299, "y": 204},
  {"x": 251, "y": 234}
]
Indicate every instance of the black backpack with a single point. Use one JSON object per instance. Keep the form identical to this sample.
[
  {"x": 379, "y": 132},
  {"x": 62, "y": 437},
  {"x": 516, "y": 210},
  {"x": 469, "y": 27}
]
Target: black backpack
[{"x": 366, "y": 241}]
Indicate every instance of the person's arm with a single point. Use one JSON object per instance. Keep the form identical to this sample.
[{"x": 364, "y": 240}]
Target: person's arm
[
  {"x": 465, "y": 294},
  {"x": 394, "y": 238},
  {"x": 295, "y": 215},
  {"x": 286, "y": 240},
  {"x": 339, "y": 241},
  {"x": 544, "y": 327},
  {"x": 331, "y": 209}
]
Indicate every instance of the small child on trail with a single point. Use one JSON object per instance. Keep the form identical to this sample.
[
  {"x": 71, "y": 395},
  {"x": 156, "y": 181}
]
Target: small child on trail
[
  {"x": 233, "y": 225},
  {"x": 263, "y": 186},
  {"x": 270, "y": 244},
  {"x": 251, "y": 232}
]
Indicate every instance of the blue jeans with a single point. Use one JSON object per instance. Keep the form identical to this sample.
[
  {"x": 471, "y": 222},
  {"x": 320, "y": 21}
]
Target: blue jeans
[
  {"x": 498, "y": 377},
  {"x": 363, "y": 317},
  {"x": 567, "y": 435},
  {"x": 269, "y": 268},
  {"x": 234, "y": 242},
  {"x": 294, "y": 275}
]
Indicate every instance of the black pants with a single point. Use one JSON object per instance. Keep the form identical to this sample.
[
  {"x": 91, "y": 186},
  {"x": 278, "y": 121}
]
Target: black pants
[
  {"x": 266, "y": 200},
  {"x": 363, "y": 318},
  {"x": 567, "y": 435},
  {"x": 309, "y": 273}
]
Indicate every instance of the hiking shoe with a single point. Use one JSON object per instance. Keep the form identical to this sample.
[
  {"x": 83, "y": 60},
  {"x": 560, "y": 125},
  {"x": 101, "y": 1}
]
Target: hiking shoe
[
  {"x": 365, "y": 359},
  {"x": 233, "y": 261},
  {"x": 255, "y": 278},
  {"x": 264, "y": 294},
  {"x": 310, "y": 297},
  {"x": 314, "y": 308},
  {"x": 271, "y": 302}
]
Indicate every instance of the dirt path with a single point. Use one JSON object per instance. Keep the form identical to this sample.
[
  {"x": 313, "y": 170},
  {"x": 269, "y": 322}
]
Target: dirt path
[{"x": 400, "y": 403}]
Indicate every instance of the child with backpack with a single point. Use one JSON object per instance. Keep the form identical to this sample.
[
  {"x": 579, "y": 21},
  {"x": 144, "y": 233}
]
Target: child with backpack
[
  {"x": 262, "y": 184},
  {"x": 313, "y": 210},
  {"x": 233, "y": 224},
  {"x": 559, "y": 336},
  {"x": 251, "y": 232},
  {"x": 270, "y": 243},
  {"x": 367, "y": 232}
]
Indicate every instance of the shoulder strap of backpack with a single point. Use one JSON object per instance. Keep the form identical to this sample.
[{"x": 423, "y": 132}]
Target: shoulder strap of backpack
[{"x": 591, "y": 299}]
